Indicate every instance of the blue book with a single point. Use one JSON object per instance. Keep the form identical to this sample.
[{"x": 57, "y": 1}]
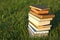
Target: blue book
[{"x": 32, "y": 32}]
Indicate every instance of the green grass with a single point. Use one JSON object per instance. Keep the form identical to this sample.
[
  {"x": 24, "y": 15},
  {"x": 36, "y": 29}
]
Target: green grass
[{"x": 14, "y": 19}]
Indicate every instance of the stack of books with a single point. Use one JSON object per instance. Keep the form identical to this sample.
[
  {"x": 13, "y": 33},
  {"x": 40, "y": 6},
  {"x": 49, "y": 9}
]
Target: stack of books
[{"x": 39, "y": 20}]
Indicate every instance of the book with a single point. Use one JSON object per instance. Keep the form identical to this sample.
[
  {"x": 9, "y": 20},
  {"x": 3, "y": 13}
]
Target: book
[
  {"x": 31, "y": 34},
  {"x": 45, "y": 16},
  {"x": 40, "y": 11},
  {"x": 37, "y": 22},
  {"x": 40, "y": 28},
  {"x": 39, "y": 7},
  {"x": 35, "y": 33},
  {"x": 37, "y": 18}
]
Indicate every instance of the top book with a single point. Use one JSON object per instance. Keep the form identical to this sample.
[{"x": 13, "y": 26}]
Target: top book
[{"x": 39, "y": 7}]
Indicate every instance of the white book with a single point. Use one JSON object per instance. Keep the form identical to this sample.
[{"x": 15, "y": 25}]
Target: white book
[
  {"x": 34, "y": 33},
  {"x": 31, "y": 34},
  {"x": 38, "y": 23},
  {"x": 45, "y": 27},
  {"x": 39, "y": 18}
]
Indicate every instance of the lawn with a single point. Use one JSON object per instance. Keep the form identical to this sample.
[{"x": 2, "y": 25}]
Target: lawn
[{"x": 14, "y": 19}]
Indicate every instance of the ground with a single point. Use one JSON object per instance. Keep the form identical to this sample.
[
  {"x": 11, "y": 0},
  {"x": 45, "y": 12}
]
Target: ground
[{"x": 14, "y": 19}]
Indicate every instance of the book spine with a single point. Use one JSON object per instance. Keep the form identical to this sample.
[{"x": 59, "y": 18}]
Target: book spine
[{"x": 30, "y": 32}]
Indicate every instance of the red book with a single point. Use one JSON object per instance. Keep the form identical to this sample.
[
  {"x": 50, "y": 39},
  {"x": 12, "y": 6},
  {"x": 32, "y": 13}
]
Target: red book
[{"x": 43, "y": 16}]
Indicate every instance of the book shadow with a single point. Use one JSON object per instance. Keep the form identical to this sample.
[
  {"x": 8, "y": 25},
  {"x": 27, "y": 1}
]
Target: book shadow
[
  {"x": 54, "y": 32},
  {"x": 56, "y": 20}
]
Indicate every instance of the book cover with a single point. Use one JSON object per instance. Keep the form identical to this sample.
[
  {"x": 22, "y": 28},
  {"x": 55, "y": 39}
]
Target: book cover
[
  {"x": 40, "y": 28},
  {"x": 39, "y": 7},
  {"x": 34, "y": 33},
  {"x": 31, "y": 34},
  {"x": 37, "y": 32},
  {"x": 40, "y": 11},
  {"x": 45, "y": 16},
  {"x": 37, "y": 22},
  {"x": 37, "y": 18}
]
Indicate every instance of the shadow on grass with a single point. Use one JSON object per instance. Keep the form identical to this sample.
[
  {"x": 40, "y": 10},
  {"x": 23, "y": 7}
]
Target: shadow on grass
[
  {"x": 54, "y": 32},
  {"x": 55, "y": 22}
]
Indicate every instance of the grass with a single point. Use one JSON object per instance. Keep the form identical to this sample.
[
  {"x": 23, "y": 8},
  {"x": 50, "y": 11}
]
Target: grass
[{"x": 14, "y": 19}]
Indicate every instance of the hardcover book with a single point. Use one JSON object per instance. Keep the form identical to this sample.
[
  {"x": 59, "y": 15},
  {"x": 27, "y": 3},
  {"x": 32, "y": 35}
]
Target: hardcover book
[
  {"x": 40, "y": 28},
  {"x": 45, "y": 16},
  {"x": 37, "y": 18},
  {"x": 38, "y": 22},
  {"x": 35, "y": 33},
  {"x": 40, "y": 7},
  {"x": 40, "y": 11}
]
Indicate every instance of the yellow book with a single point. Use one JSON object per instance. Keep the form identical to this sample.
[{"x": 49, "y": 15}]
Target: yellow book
[{"x": 40, "y": 28}]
